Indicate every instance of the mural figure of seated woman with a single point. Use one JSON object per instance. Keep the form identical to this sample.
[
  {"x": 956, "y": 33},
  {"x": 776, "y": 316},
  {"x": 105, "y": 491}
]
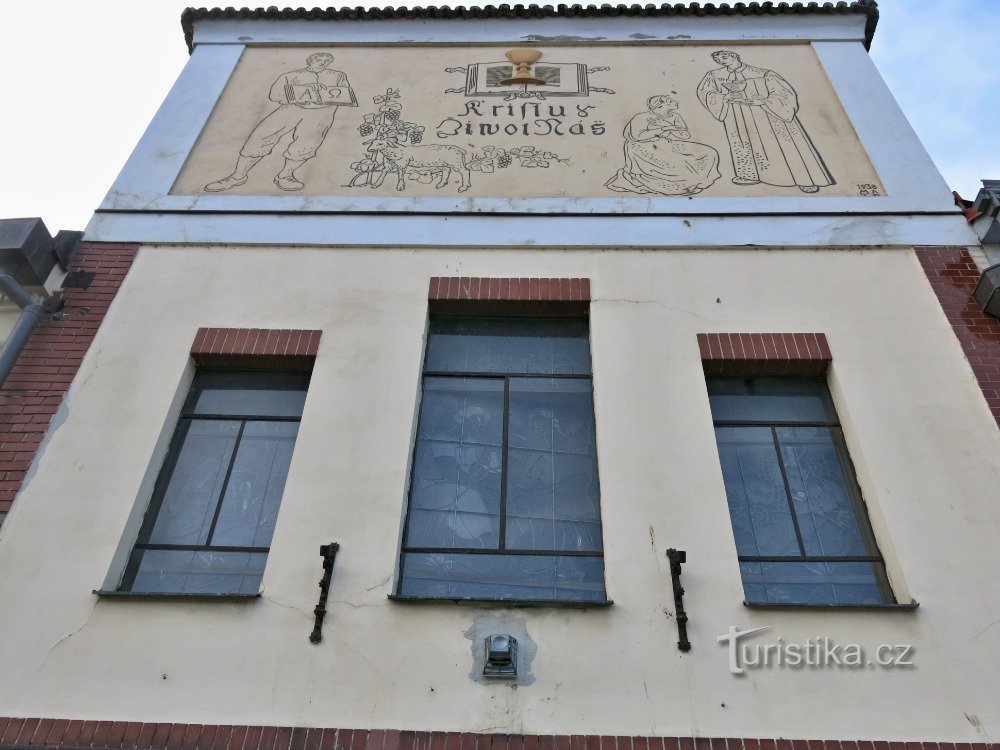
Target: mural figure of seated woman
[{"x": 660, "y": 157}]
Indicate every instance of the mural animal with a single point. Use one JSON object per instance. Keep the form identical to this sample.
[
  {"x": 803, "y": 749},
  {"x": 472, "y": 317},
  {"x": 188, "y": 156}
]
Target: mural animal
[{"x": 436, "y": 158}]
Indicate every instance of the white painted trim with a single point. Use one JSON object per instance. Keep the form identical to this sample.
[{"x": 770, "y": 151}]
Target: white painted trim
[
  {"x": 632, "y": 205},
  {"x": 374, "y": 230},
  {"x": 907, "y": 172},
  {"x": 155, "y": 163},
  {"x": 627, "y": 29},
  {"x": 130, "y": 534}
]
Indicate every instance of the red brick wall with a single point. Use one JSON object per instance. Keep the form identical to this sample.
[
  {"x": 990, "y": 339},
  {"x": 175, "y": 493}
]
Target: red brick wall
[
  {"x": 764, "y": 353},
  {"x": 259, "y": 348},
  {"x": 131, "y": 734},
  {"x": 51, "y": 359},
  {"x": 953, "y": 275}
]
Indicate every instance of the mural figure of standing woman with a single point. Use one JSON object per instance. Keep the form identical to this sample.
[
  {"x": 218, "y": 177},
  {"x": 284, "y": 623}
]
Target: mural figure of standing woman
[
  {"x": 759, "y": 110},
  {"x": 660, "y": 157}
]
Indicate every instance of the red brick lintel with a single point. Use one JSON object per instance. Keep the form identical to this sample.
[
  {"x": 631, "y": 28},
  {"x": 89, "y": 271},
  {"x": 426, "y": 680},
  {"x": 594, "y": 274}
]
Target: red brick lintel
[
  {"x": 257, "y": 348},
  {"x": 521, "y": 296},
  {"x": 64, "y": 733},
  {"x": 764, "y": 353}
]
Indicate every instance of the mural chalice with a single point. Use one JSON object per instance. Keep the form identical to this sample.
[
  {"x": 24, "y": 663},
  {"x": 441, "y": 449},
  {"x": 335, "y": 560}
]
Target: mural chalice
[
  {"x": 738, "y": 89},
  {"x": 522, "y": 59}
]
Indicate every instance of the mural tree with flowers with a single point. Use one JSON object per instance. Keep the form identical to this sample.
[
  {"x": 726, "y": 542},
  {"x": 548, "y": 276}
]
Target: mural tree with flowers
[{"x": 386, "y": 123}]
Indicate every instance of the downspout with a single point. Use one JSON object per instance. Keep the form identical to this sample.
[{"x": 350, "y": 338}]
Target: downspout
[{"x": 32, "y": 309}]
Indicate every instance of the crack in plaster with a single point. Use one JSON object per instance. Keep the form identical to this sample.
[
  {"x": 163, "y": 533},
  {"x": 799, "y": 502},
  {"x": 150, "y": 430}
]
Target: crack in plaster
[
  {"x": 286, "y": 605},
  {"x": 654, "y": 302},
  {"x": 378, "y": 585},
  {"x": 990, "y": 625},
  {"x": 69, "y": 635}
]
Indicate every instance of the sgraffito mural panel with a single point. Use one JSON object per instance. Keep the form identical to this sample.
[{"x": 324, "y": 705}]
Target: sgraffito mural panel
[{"x": 606, "y": 121}]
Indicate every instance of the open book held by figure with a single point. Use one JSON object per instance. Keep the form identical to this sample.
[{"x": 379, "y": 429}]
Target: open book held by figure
[{"x": 307, "y": 101}]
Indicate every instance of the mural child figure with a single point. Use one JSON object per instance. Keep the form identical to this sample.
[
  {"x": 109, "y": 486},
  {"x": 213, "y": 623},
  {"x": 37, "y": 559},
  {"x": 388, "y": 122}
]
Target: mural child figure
[
  {"x": 759, "y": 111},
  {"x": 659, "y": 155},
  {"x": 307, "y": 102}
]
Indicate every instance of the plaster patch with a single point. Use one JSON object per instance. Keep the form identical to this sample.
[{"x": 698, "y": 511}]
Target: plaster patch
[{"x": 496, "y": 623}]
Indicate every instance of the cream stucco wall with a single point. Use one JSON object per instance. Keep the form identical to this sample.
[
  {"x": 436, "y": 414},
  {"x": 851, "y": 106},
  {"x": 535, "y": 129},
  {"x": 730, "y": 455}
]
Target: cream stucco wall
[{"x": 926, "y": 450}]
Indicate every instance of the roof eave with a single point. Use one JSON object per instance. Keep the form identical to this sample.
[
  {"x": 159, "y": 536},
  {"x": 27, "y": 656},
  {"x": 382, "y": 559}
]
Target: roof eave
[{"x": 869, "y": 8}]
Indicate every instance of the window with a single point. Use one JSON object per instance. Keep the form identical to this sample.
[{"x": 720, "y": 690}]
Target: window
[
  {"x": 802, "y": 531},
  {"x": 209, "y": 524},
  {"x": 504, "y": 499}
]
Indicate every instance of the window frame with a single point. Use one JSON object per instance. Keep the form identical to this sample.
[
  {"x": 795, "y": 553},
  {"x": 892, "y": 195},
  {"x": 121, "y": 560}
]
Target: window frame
[
  {"x": 185, "y": 418},
  {"x": 851, "y": 485},
  {"x": 504, "y": 447}
]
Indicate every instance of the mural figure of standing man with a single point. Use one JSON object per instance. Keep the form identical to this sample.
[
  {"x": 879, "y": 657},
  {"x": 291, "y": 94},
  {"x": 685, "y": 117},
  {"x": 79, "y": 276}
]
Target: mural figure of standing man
[
  {"x": 307, "y": 102},
  {"x": 759, "y": 110}
]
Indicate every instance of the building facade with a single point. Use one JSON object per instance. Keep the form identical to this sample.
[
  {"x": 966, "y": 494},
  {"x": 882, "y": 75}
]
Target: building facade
[{"x": 498, "y": 306}]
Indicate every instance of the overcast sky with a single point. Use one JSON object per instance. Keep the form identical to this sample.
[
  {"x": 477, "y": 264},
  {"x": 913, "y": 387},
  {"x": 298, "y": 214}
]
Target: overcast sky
[{"x": 83, "y": 78}]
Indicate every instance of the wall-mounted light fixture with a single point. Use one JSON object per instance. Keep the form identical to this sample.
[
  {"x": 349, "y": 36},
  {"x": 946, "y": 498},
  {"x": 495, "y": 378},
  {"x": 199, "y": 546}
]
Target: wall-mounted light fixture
[
  {"x": 501, "y": 656},
  {"x": 523, "y": 58}
]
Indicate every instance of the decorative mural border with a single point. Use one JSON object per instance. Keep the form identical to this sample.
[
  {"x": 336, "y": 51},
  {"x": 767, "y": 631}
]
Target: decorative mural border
[{"x": 135, "y": 735}]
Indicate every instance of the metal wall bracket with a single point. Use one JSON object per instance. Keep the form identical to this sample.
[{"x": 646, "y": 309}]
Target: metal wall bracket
[
  {"x": 677, "y": 557},
  {"x": 329, "y": 554}
]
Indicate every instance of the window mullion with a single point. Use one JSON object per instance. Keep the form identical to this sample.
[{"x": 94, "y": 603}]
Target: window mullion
[
  {"x": 225, "y": 482},
  {"x": 788, "y": 491},
  {"x": 503, "y": 462}
]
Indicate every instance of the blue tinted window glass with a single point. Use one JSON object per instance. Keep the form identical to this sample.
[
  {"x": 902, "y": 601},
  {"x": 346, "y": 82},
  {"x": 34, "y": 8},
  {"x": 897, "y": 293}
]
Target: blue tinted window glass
[
  {"x": 504, "y": 499},
  {"x": 257, "y": 394},
  {"x": 552, "y": 489},
  {"x": 455, "y": 483},
  {"x": 792, "y": 494},
  {"x": 770, "y": 400},
  {"x": 250, "y": 506},
  {"x": 214, "y": 507},
  {"x": 532, "y": 346},
  {"x": 826, "y": 583},
  {"x": 197, "y": 572},
  {"x": 823, "y": 504},
  {"x": 758, "y": 505},
  {"x": 195, "y": 482},
  {"x": 503, "y": 577}
]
